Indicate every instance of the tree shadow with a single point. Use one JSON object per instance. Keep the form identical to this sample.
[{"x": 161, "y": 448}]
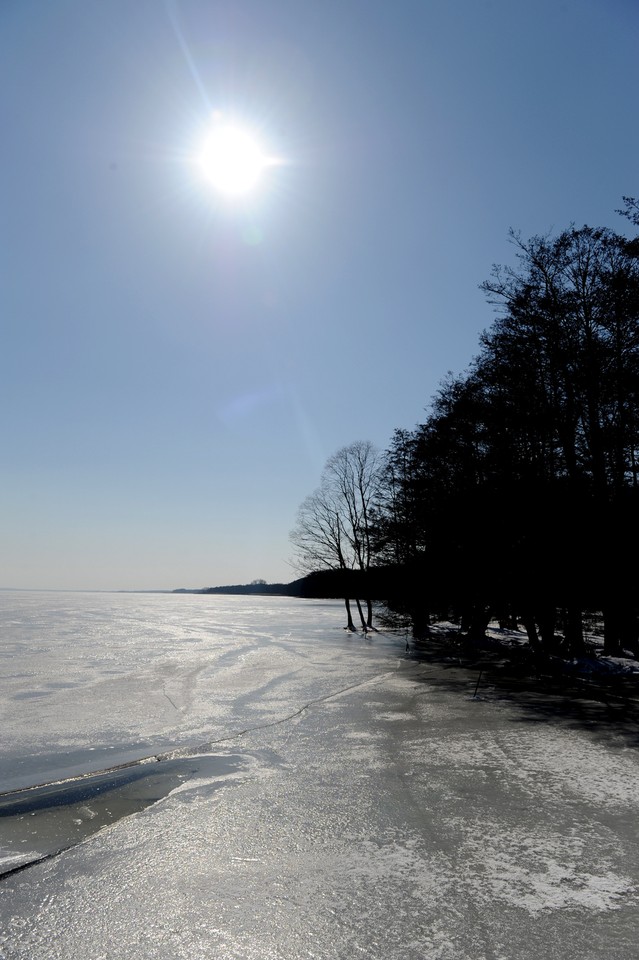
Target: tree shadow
[{"x": 541, "y": 692}]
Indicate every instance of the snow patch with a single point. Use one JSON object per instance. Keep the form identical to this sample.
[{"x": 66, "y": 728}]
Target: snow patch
[{"x": 539, "y": 872}]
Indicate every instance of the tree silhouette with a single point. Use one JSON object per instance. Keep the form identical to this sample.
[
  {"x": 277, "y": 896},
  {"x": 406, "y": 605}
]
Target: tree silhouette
[
  {"x": 334, "y": 526},
  {"x": 532, "y": 453}
]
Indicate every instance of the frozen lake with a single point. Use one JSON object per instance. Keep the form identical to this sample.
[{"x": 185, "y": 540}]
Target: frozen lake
[
  {"x": 94, "y": 681},
  {"x": 324, "y": 795},
  {"x": 91, "y": 680}
]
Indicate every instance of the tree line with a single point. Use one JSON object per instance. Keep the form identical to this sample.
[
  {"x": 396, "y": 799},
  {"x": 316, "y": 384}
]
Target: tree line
[{"x": 518, "y": 496}]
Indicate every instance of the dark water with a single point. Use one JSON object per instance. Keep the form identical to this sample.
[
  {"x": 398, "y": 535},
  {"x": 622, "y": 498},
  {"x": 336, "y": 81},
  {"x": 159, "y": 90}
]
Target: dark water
[{"x": 39, "y": 822}]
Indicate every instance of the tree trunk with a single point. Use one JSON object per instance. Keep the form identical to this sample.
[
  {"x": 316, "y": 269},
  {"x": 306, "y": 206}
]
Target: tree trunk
[
  {"x": 620, "y": 630},
  {"x": 629, "y": 630},
  {"x": 475, "y": 620},
  {"x": 369, "y": 615},
  {"x": 349, "y": 625},
  {"x": 361, "y": 616},
  {"x": 531, "y": 630},
  {"x": 612, "y": 631},
  {"x": 420, "y": 623}
]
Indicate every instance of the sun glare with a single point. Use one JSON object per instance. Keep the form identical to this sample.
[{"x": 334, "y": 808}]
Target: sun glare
[{"x": 232, "y": 160}]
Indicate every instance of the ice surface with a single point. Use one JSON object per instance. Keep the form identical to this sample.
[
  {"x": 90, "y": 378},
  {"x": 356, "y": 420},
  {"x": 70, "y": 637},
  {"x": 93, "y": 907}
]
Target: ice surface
[
  {"x": 42, "y": 821},
  {"x": 379, "y": 811},
  {"x": 88, "y": 681}
]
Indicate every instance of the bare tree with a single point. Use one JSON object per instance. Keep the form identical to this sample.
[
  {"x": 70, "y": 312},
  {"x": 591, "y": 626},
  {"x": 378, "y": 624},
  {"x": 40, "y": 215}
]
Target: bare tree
[{"x": 334, "y": 524}]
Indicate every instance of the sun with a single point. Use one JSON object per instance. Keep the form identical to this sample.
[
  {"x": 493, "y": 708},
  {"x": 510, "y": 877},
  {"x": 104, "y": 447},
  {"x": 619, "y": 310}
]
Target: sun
[{"x": 233, "y": 160}]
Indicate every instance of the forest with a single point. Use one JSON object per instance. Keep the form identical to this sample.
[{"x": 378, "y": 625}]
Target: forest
[{"x": 517, "y": 497}]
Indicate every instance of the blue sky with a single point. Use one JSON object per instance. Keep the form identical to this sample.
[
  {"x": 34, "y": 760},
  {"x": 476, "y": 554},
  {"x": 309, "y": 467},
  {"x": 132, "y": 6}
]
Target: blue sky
[{"x": 175, "y": 367}]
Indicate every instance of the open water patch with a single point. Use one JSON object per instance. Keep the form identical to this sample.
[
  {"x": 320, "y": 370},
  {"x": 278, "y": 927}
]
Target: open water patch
[{"x": 40, "y": 822}]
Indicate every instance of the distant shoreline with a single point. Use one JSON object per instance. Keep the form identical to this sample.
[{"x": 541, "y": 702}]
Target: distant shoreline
[{"x": 294, "y": 589}]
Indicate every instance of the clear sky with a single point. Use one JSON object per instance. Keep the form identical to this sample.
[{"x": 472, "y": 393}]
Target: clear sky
[{"x": 177, "y": 365}]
